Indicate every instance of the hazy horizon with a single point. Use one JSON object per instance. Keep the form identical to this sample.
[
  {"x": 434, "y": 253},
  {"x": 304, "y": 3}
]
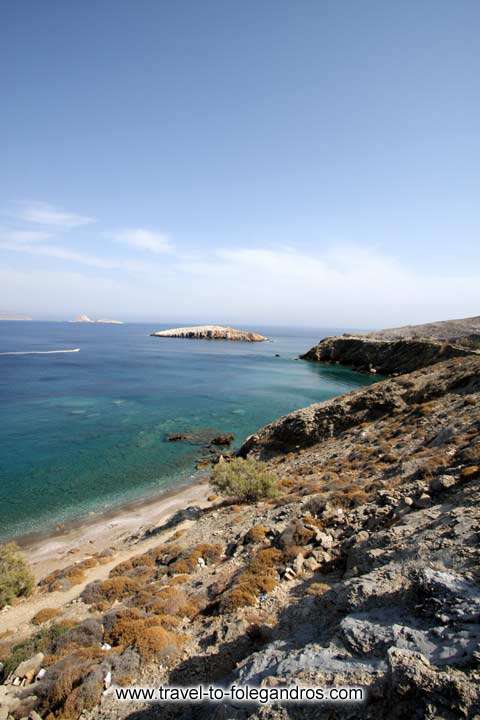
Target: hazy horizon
[{"x": 311, "y": 164}]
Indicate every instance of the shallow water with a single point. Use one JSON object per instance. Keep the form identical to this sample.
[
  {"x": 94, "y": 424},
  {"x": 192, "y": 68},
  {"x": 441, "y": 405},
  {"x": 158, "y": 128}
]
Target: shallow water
[{"x": 85, "y": 431}]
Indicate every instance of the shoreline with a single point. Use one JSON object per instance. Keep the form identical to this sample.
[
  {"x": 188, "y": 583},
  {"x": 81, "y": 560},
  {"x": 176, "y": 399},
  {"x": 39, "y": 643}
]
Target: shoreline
[
  {"x": 123, "y": 531},
  {"x": 114, "y": 528},
  {"x": 91, "y": 517}
]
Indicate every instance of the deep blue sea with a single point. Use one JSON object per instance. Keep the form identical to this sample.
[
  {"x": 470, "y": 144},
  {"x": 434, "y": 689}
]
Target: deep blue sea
[{"x": 86, "y": 431}]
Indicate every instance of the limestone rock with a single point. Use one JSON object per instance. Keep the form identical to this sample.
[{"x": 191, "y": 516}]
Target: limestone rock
[{"x": 210, "y": 332}]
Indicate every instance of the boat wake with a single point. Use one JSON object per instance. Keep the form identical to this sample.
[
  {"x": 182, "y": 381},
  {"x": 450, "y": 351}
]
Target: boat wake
[{"x": 40, "y": 352}]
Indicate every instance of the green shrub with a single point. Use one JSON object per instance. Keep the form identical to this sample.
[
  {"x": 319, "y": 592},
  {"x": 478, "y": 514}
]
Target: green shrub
[
  {"x": 248, "y": 480},
  {"x": 16, "y": 578}
]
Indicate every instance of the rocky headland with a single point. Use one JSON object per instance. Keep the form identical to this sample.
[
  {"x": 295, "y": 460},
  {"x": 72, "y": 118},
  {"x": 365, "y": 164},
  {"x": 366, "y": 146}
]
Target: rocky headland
[
  {"x": 210, "y": 332},
  {"x": 362, "y": 571},
  {"x": 400, "y": 350}
]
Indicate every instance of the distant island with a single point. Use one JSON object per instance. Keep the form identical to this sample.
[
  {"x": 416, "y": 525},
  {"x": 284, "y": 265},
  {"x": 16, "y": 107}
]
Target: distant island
[
  {"x": 86, "y": 319},
  {"x": 6, "y": 316},
  {"x": 210, "y": 332}
]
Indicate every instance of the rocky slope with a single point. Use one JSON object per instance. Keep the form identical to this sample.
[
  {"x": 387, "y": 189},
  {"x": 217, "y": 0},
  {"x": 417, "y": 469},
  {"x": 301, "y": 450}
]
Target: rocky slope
[
  {"x": 363, "y": 571},
  {"x": 452, "y": 330},
  {"x": 210, "y": 332},
  {"x": 400, "y": 350}
]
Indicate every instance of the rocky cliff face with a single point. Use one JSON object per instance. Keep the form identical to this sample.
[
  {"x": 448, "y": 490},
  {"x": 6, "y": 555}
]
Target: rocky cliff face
[
  {"x": 387, "y": 357},
  {"x": 210, "y": 332}
]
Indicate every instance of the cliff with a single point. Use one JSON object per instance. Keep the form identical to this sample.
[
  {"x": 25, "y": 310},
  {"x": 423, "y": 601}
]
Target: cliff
[
  {"x": 400, "y": 350},
  {"x": 210, "y": 332},
  {"x": 387, "y": 357}
]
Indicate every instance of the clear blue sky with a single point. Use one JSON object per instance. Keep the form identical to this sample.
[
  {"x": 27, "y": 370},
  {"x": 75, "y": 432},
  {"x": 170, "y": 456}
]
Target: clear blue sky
[{"x": 261, "y": 161}]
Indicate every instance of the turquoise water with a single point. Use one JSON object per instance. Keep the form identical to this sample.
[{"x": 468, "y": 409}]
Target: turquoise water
[{"x": 85, "y": 431}]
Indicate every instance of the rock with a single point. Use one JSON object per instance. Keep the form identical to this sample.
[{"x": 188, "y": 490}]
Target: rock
[
  {"x": 210, "y": 332},
  {"x": 107, "y": 680},
  {"x": 445, "y": 435},
  {"x": 298, "y": 564},
  {"x": 311, "y": 564},
  {"x": 223, "y": 439},
  {"x": 362, "y": 536},
  {"x": 176, "y": 437},
  {"x": 321, "y": 556},
  {"x": 444, "y": 482},
  {"x": 324, "y": 540},
  {"x": 33, "y": 715},
  {"x": 29, "y": 668},
  {"x": 423, "y": 501}
]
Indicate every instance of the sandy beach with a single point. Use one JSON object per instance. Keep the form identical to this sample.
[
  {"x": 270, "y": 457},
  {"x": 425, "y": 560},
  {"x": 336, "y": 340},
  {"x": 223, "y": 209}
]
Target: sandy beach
[{"x": 121, "y": 530}]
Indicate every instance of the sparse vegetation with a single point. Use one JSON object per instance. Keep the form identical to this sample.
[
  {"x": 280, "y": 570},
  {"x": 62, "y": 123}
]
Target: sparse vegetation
[
  {"x": 246, "y": 480},
  {"x": 256, "y": 534},
  {"x": 147, "y": 635},
  {"x": 16, "y": 578},
  {"x": 260, "y": 576},
  {"x": 103, "y": 594},
  {"x": 45, "y": 615},
  {"x": 188, "y": 560}
]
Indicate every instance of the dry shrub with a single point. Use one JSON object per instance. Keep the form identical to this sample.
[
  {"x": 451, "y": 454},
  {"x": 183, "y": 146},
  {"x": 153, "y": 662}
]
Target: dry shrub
[
  {"x": 74, "y": 575},
  {"x": 64, "y": 676},
  {"x": 143, "y": 562},
  {"x": 44, "y": 615},
  {"x": 179, "y": 579},
  {"x": 166, "y": 553},
  {"x": 318, "y": 589},
  {"x": 88, "y": 563},
  {"x": 212, "y": 498},
  {"x": 146, "y": 635},
  {"x": 177, "y": 534},
  {"x": 188, "y": 561},
  {"x": 88, "y": 633},
  {"x": 173, "y": 601},
  {"x": 169, "y": 622},
  {"x": 284, "y": 500},
  {"x": 103, "y": 593},
  {"x": 470, "y": 472},
  {"x": 425, "y": 408},
  {"x": 266, "y": 558},
  {"x": 256, "y": 534},
  {"x": 237, "y": 598},
  {"x": 260, "y": 576},
  {"x": 84, "y": 697},
  {"x": 257, "y": 583},
  {"x": 356, "y": 496}
]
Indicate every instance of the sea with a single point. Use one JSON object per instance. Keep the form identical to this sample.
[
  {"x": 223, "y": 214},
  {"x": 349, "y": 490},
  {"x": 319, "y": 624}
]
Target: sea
[{"x": 85, "y": 432}]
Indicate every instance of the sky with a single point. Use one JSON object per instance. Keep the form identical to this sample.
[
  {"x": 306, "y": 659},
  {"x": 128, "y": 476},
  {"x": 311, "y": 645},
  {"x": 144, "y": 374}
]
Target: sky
[{"x": 307, "y": 162}]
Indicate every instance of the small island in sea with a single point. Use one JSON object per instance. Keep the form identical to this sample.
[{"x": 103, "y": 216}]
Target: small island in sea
[
  {"x": 12, "y": 317},
  {"x": 210, "y": 332},
  {"x": 86, "y": 319}
]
